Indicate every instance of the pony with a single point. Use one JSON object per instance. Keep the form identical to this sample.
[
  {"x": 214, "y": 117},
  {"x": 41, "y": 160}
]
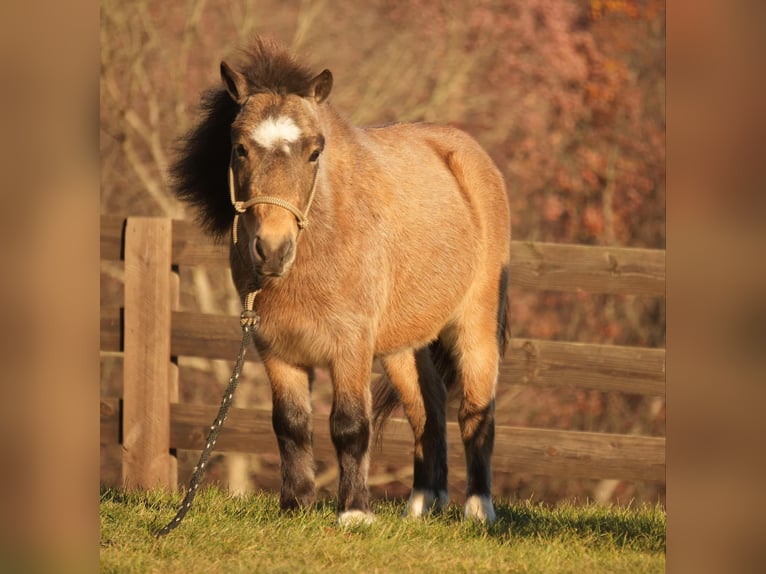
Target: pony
[{"x": 388, "y": 242}]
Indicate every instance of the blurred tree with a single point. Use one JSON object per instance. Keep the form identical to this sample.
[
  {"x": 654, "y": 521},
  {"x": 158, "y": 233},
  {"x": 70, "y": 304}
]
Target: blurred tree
[{"x": 566, "y": 95}]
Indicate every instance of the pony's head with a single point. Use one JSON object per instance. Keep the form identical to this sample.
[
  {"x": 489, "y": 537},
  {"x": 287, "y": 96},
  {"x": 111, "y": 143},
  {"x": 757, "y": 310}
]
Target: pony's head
[{"x": 276, "y": 143}]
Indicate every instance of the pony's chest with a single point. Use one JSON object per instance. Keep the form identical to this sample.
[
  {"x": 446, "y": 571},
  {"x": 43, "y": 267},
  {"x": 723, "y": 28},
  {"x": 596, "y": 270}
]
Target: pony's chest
[{"x": 298, "y": 335}]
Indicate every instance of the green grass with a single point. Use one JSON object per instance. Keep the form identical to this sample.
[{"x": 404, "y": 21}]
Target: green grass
[{"x": 230, "y": 534}]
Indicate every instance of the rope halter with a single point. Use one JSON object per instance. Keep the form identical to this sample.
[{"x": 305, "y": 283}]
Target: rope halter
[{"x": 242, "y": 206}]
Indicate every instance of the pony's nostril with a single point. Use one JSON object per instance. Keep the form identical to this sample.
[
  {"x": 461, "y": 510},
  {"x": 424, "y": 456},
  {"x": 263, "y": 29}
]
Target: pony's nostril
[
  {"x": 260, "y": 249},
  {"x": 285, "y": 251}
]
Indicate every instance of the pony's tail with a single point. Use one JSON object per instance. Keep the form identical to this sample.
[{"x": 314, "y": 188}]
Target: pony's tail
[
  {"x": 385, "y": 399},
  {"x": 503, "y": 323}
]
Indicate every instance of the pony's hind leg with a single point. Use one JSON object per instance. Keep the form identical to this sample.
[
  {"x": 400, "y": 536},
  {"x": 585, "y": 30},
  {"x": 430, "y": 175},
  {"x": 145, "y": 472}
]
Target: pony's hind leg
[
  {"x": 474, "y": 347},
  {"x": 423, "y": 396},
  {"x": 291, "y": 419}
]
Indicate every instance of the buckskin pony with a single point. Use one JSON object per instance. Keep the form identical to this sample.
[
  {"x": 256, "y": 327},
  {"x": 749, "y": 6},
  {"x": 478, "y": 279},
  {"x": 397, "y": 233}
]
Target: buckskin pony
[{"x": 387, "y": 242}]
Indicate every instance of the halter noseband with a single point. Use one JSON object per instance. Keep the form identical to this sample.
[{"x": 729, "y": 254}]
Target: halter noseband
[{"x": 241, "y": 206}]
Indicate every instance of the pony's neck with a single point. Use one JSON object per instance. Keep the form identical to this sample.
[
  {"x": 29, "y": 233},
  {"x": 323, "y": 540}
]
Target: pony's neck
[
  {"x": 336, "y": 165},
  {"x": 329, "y": 210}
]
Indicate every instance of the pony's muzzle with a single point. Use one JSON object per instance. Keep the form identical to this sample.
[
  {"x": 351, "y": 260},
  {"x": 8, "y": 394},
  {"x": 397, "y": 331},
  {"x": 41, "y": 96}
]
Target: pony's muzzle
[{"x": 272, "y": 256}]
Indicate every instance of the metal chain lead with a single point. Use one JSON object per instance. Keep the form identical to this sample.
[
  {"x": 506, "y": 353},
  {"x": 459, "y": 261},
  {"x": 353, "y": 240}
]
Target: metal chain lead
[{"x": 249, "y": 322}]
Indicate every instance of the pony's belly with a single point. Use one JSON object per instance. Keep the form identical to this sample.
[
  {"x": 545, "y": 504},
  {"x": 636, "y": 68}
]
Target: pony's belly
[
  {"x": 393, "y": 344},
  {"x": 410, "y": 331},
  {"x": 418, "y": 312}
]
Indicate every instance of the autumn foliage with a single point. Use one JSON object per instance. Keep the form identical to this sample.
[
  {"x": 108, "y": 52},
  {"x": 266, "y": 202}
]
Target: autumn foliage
[{"x": 566, "y": 96}]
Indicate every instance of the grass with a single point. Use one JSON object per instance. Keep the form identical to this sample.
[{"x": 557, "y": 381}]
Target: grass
[{"x": 226, "y": 534}]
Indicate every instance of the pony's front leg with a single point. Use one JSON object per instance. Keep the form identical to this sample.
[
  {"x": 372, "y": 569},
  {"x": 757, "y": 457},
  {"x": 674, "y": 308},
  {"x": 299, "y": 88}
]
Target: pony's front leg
[
  {"x": 291, "y": 419},
  {"x": 350, "y": 432}
]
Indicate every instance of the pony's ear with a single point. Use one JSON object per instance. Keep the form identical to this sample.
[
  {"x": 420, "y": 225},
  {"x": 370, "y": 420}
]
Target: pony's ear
[
  {"x": 234, "y": 82},
  {"x": 320, "y": 87}
]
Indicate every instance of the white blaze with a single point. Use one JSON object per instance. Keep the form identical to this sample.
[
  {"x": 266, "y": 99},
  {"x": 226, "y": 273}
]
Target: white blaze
[{"x": 275, "y": 131}]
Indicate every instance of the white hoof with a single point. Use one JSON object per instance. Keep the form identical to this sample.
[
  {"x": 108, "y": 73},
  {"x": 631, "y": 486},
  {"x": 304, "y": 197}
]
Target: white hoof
[
  {"x": 355, "y": 518},
  {"x": 422, "y": 502},
  {"x": 480, "y": 508}
]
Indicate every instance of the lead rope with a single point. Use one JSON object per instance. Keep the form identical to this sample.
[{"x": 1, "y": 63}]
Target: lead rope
[{"x": 249, "y": 322}]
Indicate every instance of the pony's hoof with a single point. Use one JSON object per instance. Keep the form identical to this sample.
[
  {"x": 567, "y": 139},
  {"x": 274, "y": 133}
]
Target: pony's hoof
[
  {"x": 480, "y": 508},
  {"x": 355, "y": 518},
  {"x": 422, "y": 502}
]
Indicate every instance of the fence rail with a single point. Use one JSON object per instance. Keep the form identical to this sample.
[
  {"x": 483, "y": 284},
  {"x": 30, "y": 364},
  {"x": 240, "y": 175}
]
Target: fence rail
[
  {"x": 148, "y": 330},
  {"x": 538, "y": 266},
  {"x": 632, "y": 370},
  {"x": 517, "y": 449}
]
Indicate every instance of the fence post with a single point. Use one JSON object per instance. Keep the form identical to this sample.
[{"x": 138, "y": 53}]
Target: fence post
[{"x": 146, "y": 461}]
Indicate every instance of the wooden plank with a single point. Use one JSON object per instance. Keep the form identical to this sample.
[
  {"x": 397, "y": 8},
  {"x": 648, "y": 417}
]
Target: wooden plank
[
  {"x": 192, "y": 247},
  {"x": 574, "y": 454},
  {"x": 146, "y": 416},
  {"x": 632, "y": 370},
  {"x": 593, "y": 269},
  {"x": 111, "y": 329},
  {"x": 112, "y": 237},
  {"x": 635, "y": 370},
  {"x": 534, "y": 265},
  {"x": 110, "y": 420},
  {"x": 245, "y": 430},
  {"x": 115, "y": 297},
  {"x": 519, "y": 450},
  {"x": 208, "y": 336}
]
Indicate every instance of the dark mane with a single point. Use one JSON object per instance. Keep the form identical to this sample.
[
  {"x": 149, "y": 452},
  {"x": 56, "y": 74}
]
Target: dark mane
[
  {"x": 268, "y": 67},
  {"x": 200, "y": 174}
]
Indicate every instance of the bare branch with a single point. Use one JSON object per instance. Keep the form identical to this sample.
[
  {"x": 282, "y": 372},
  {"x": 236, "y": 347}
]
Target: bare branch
[
  {"x": 307, "y": 15},
  {"x": 150, "y": 184}
]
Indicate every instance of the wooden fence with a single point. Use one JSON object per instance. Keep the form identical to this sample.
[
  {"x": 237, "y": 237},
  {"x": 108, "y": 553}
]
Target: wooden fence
[{"x": 148, "y": 329}]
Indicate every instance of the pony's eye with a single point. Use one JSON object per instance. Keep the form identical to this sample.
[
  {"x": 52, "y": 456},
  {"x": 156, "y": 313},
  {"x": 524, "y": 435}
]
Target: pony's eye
[
  {"x": 314, "y": 156},
  {"x": 240, "y": 150}
]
